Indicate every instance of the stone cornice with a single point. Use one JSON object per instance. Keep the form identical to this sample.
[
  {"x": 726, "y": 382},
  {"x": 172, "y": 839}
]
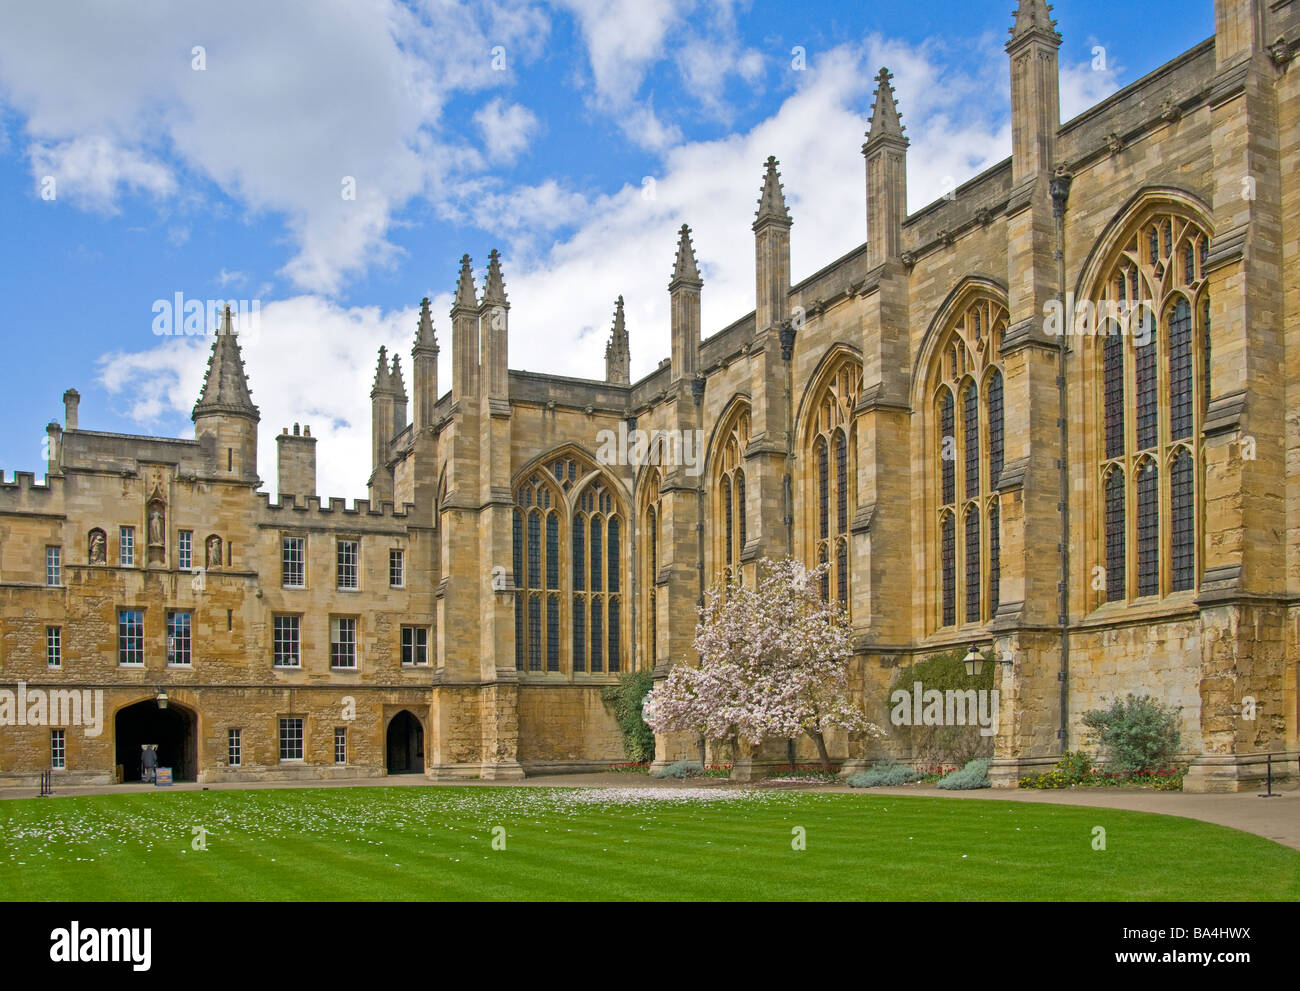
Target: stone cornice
[
  {"x": 862, "y": 518},
  {"x": 1227, "y": 248},
  {"x": 1013, "y": 475},
  {"x": 1029, "y": 332},
  {"x": 1225, "y": 414},
  {"x": 1229, "y": 83},
  {"x": 871, "y": 400}
]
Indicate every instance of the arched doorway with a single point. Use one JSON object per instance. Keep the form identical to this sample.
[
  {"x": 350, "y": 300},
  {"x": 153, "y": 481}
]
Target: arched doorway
[
  {"x": 172, "y": 729},
  {"x": 405, "y": 745}
]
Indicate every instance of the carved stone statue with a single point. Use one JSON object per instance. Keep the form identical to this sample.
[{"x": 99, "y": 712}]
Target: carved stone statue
[
  {"x": 156, "y": 525},
  {"x": 214, "y": 552},
  {"x": 97, "y": 547}
]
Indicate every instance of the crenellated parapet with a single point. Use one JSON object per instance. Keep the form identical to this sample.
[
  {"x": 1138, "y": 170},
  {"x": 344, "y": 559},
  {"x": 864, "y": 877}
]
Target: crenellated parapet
[
  {"x": 25, "y": 494},
  {"x": 332, "y": 508}
]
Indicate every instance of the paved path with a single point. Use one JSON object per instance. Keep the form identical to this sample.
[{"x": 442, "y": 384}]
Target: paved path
[{"x": 1276, "y": 818}]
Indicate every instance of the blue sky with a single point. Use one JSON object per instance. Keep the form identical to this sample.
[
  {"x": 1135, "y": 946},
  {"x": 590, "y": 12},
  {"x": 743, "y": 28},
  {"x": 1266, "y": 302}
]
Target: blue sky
[{"x": 574, "y": 136}]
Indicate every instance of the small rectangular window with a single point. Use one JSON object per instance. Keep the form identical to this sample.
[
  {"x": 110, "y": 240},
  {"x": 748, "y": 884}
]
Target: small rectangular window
[
  {"x": 291, "y": 738},
  {"x": 288, "y": 642},
  {"x": 178, "y": 638},
  {"x": 234, "y": 748},
  {"x": 126, "y": 546},
  {"x": 54, "y": 566},
  {"x": 343, "y": 642},
  {"x": 396, "y": 568},
  {"x": 58, "y": 750},
  {"x": 130, "y": 637},
  {"x": 293, "y": 562},
  {"x": 348, "y": 551},
  {"x": 185, "y": 550},
  {"x": 415, "y": 645},
  {"x": 53, "y": 646},
  {"x": 340, "y": 745}
]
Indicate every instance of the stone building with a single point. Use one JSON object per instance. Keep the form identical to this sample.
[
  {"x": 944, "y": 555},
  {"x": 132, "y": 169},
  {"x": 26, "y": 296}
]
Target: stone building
[{"x": 897, "y": 414}]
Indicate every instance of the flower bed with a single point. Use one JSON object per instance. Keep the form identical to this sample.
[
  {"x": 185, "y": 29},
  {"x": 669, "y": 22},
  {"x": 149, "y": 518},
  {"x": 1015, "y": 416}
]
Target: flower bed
[{"x": 1075, "y": 770}]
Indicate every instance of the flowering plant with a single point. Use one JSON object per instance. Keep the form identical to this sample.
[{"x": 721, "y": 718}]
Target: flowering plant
[{"x": 773, "y": 662}]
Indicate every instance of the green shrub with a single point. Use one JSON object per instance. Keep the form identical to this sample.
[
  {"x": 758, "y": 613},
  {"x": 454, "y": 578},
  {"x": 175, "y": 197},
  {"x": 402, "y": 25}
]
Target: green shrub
[
  {"x": 944, "y": 744},
  {"x": 623, "y": 701},
  {"x": 1137, "y": 733},
  {"x": 973, "y": 775},
  {"x": 1075, "y": 765},
  {"x": 1074, "y": 768},
  {"x": 680, "y": 769},
  {"x": 887, "y": 773}
]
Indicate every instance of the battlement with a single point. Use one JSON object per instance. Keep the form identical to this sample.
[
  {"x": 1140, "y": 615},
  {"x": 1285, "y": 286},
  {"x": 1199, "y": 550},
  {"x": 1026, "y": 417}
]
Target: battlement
[
  {"x": 24, "y": 492},
  {"x": 334, "y": 507}
]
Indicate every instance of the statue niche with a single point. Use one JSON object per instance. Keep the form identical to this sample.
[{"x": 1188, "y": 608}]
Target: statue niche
[
  {"x": 97, "y": 547},
  {"x": 157, "y": 516},
  {"x": 213, "y": 555}
]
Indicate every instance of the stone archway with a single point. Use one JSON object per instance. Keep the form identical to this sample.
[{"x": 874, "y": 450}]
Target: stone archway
[
  {"x": 404, "y": 745},
  {"x": 173, "y": 730}
]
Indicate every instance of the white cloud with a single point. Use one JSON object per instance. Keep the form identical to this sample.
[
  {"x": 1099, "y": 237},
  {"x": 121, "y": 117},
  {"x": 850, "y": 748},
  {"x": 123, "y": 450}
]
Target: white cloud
[
  {"x": 625, "y": 39},
  {"x": 310, "y": 361},
  {"x": 568, "y": 251},
  {"x": 110, "y": 102},
  {"x": 91, "y": 170},
  {"x": 313, "y": 361},
  {"x": 506, "y": 128},
  {"x": 1085, "y": 84},
  {"x": 625, "y": 243}
]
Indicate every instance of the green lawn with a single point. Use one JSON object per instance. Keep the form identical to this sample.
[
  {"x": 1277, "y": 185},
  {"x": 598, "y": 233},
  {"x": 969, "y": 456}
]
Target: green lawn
[{"x": 416, "y": 843}]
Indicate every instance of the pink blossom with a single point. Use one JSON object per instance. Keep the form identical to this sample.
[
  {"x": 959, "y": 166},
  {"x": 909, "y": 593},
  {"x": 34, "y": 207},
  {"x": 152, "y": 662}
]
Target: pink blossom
[{"x": 773, "y": 663}]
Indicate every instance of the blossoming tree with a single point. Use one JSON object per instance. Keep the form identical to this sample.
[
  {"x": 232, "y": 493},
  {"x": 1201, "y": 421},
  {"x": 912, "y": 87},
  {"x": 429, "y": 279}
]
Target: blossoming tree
[{"x": 773, "y": 662}]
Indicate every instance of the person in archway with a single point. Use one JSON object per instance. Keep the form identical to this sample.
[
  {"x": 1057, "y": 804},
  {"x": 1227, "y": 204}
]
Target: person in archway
[{"x": 149, "y": 762}]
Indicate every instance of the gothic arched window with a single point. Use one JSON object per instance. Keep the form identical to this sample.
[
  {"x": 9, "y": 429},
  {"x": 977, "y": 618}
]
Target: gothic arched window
[
  {"x": 973, "y": 565},
  {"x": 729, "y": 526},
  {"x": 971, "y": 439},
  {"x": 1148, "y": 528},
  {"x": 831, "y": 443},
  {"x": 651, "y": 513},
  {"x": 1154, "y": 361},
  {"x": 537, "y": 566},
  {"x": 1182, "y": 528},
  {"x": 947, "y": 447},
  {"x": 997, "y": 429},
  {"x": 597, "y": 548},
  {"x": 948, "y": 540},
  {"x": 969, "y": 431},
  {"x": 1115, "y": 535}
]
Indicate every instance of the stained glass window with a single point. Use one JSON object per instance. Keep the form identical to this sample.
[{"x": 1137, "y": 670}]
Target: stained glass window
[
  {"x": 948, "y": 447},
  {"x": 996, "y": 429},
  {"x": 1182, "y": 529},
  {"x": 1180, "y": 372},
  {"x": 948, "y": 553},
  {"x": 973, "y": 566},
  {"x": 1148, "y": 532},
  {"x": 971, "y": 431},
  {"x": 1115, "y": 576}
]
